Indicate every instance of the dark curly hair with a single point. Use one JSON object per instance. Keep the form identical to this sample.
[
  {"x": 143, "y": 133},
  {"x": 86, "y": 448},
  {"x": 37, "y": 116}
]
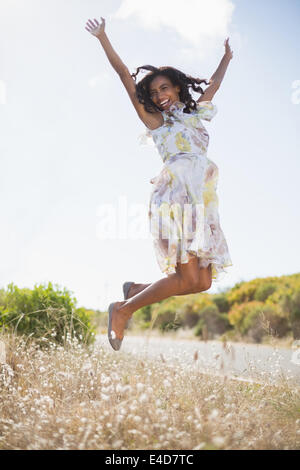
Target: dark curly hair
[{"x": 176, "y": 77}]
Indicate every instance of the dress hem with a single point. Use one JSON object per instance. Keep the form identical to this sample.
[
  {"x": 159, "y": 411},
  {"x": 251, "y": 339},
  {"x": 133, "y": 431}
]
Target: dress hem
[{"x": 217, "y": 269}]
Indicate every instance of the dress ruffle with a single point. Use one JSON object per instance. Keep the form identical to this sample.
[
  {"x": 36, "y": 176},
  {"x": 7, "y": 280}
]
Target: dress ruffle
[{"x": 205, "y": 110}]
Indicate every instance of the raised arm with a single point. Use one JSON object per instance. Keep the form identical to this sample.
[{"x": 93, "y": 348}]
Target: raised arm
[
  {"x": 217, "y": 77},
  {"x": 151, "y": 120},
  {"x": 98, "y": 31}
]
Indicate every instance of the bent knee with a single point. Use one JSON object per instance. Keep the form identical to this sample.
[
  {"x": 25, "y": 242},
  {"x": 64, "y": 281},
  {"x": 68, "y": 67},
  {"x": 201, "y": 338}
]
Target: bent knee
[
  {"x": 206, "y": 285},
  {"x": 197, "y": 285},
  {"x": 198, "y": 282},
  {"x": 204, "y": 282}
]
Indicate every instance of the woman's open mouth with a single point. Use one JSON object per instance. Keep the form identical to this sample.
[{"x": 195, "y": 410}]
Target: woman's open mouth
[{"x": 165, "y": 103}]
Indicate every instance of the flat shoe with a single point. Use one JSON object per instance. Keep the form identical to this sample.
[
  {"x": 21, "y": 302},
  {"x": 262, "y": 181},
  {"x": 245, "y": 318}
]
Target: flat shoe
[
  {"x": 115, "y": 342},
  {"x": 126, "y": 287}
]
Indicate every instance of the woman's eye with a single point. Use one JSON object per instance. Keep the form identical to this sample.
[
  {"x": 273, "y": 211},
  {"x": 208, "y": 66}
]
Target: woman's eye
[{"x": 163, "y": 88}]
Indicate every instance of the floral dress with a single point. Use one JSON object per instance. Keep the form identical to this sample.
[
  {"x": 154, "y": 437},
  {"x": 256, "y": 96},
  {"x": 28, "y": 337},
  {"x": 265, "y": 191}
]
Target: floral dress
[{"x": 183, "y": 207}]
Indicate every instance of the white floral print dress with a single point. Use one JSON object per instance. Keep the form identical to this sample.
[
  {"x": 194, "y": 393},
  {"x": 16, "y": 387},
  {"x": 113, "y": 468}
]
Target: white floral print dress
[{"x": 183, "y": 207}]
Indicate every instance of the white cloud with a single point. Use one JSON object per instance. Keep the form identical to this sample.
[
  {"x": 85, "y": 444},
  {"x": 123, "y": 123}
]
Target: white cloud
[{"x": 192, "y": 20}]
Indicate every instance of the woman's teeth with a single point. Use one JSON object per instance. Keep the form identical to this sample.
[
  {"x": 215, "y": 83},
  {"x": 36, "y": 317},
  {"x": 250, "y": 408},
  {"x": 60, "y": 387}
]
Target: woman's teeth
[{"x": 164, "y": 103}]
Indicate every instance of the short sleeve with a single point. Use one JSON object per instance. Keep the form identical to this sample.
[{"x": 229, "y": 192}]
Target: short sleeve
[
  {"x": 206, "y": 110},
  {"x": 145, "y": 138}
]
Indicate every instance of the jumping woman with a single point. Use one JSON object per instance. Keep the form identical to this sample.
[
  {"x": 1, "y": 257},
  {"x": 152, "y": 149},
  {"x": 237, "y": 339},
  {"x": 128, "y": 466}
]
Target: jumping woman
[{"x": 189, "y": 243}]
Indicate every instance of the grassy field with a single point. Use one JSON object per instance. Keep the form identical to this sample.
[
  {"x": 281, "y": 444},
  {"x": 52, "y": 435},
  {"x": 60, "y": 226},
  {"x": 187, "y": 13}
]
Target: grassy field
[{"x": 84, "y": 397}]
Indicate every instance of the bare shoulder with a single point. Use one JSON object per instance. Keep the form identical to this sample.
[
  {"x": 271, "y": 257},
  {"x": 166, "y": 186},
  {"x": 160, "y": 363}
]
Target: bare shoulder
[{"x": 151, "y": 120}]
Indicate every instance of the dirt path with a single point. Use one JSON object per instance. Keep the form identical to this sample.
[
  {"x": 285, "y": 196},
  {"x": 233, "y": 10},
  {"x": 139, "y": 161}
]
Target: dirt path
[{"x": 249, "y": 362}]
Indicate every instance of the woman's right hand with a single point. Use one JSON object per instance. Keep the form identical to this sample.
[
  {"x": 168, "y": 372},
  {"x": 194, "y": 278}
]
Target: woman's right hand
[
  {"x": 228, "y": 51},
  {"x": 95, "y": 29}
]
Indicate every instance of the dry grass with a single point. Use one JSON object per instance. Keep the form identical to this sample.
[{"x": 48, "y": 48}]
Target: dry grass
[{"x": 80, "y": 397}]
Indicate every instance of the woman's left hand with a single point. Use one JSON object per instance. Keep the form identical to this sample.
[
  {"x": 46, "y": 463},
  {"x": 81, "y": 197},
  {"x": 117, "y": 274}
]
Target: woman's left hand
[{"x": 228, "y": 51}]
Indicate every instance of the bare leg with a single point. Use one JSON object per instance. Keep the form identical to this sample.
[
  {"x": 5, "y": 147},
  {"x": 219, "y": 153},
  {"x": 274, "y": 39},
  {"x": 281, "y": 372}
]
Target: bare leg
[
  {"x": 186, "y": 280},
  {"x": 157, "y": 291},
  {"x": 137, "y": 288}
]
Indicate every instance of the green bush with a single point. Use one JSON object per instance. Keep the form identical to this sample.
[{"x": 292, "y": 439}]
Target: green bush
[
  {"x": 189, "y": 308},
  {"x": 164, "y": 314},
  {"x": 200, "y": 329},
  {"x": 167, "y": 321},
  {"x": 187, "y": 314},
  {"x": 142, "y": 317},
  {"x": 267, "y": 322},
  {"x": 243, "y": 292},
  {"x": 264, "y": 291},
  {"x": 221, "y": 302},
  {"x": 295, "y": 314},
  {"x": 255, "y": 319},
  {"x": 44, "y": 313},
  {"x": 211, "y": 322},
  {"x": 257, "y": 289},
  {"x": 239, "y": 312},
  {"x": 290, "y": 304}
]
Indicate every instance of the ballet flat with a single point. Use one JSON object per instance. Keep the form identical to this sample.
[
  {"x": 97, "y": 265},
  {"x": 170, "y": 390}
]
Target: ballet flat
[
  {"x": 126, "y": 287},
  {"x": 115, "y": 342}
]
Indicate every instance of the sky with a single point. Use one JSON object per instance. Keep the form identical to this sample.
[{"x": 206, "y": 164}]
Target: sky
[{"x": 70, "y": 149}]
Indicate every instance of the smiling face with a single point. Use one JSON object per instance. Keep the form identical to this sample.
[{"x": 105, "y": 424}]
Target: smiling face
[{"x": 162, "y": 90}]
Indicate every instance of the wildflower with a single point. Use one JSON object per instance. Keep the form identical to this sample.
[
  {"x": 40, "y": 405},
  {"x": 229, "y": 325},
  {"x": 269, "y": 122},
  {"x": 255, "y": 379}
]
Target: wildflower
[
  {"x": 117, "y": 444},
  {"x": 238, "y": 435},
  {"x": 109, "y": 389},
  {"x": 137, "y": 419},
  {"x": 199, "y": 446},
  {"x": 210, "y": 398},
  {"x": 119, "y": 388},
  {"x": 143, "y": 398},
  {"x": 140, "y": 386},
  {"x": 218, "y": 441},
  {"x": 214, "y": 414},
  {"x": 105, "y": 379},
  {"x": 197, "y": 412},
  {"x": 295, "y": 359},
  {"x": 133, "y": 407}
]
